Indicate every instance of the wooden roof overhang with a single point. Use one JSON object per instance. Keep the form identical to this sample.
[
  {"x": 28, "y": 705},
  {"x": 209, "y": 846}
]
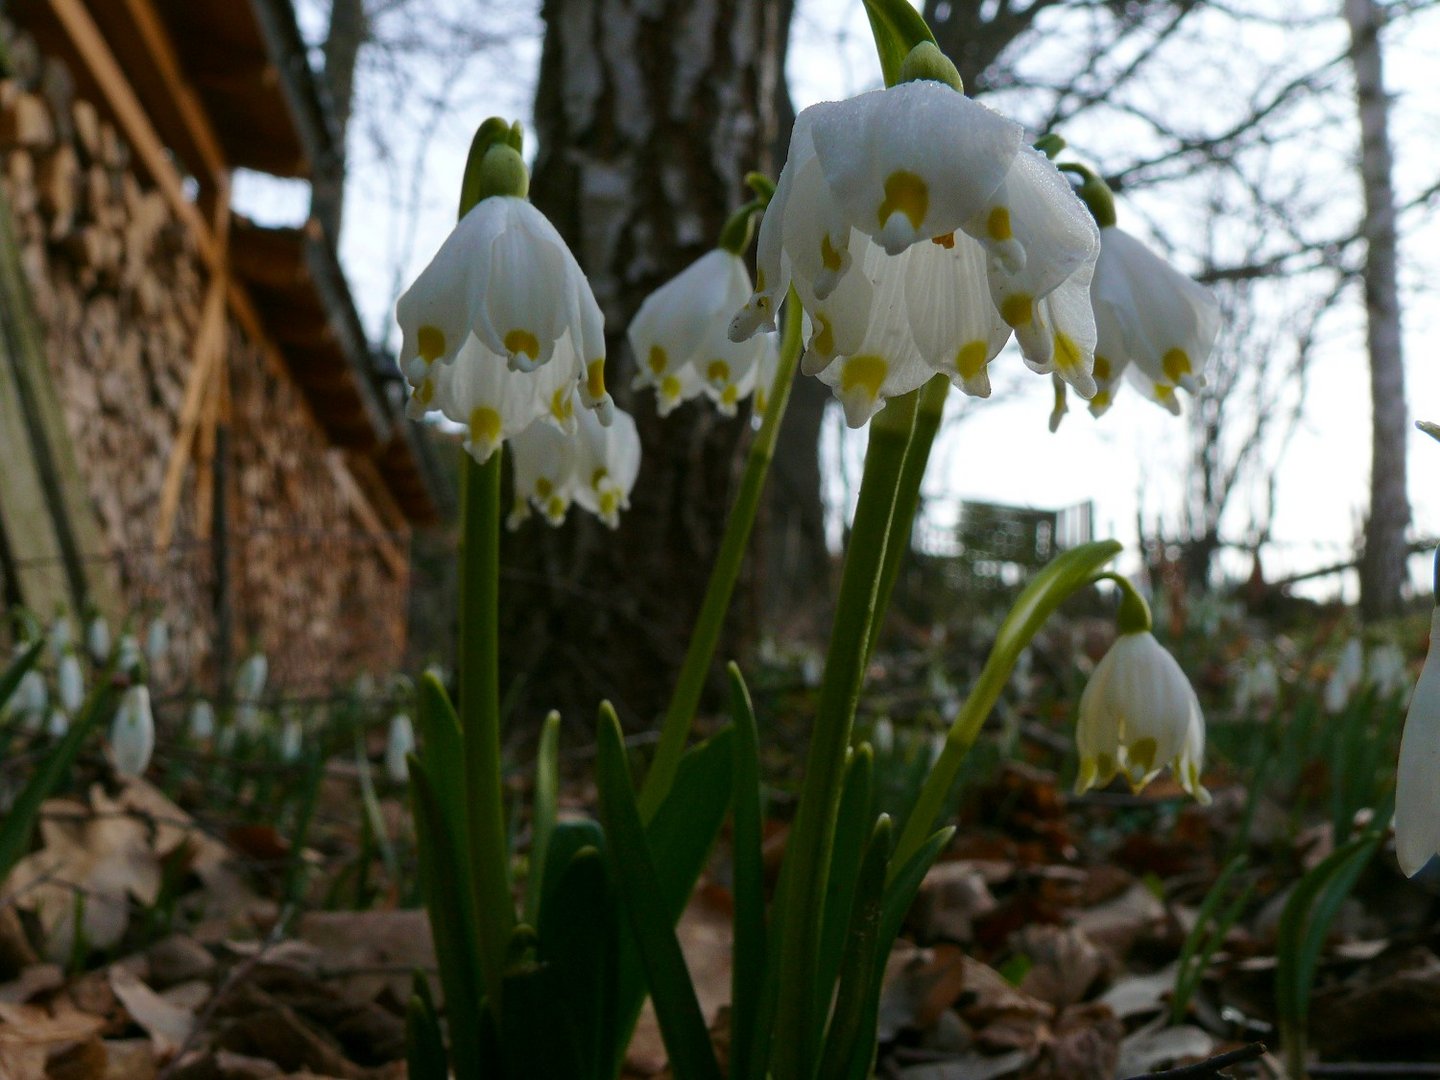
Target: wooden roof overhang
[{"x": 240, "y": 93}]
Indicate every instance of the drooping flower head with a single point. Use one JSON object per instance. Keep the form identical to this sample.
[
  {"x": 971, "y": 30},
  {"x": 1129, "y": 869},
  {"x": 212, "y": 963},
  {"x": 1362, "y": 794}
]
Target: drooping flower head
[
  {"x": 501, "y": 329},
  {"x": 607, "y": 463},
  {"x": 132, "y": 733},
  {"x": 1139, "y": 713},
  {"x": 399, "y": 742},
  {"x": 918, "y": 231}
]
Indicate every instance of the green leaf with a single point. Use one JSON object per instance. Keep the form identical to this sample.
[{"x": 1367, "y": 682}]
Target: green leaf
[
  {"x": 899, "y": 895},
  {"x": 681, "y": 836},
  {"x": 854, "y": 825},
  {"x": 897, "y": 28},
  {"x": 424, "y": 1044},
  {"x": 450, "y": 905},
  {"x": 579, "y": 942},
  {"x": 547, "y": 792},
  {"x": 535, "y": 1040},
  {"x": 851, "y": 1038},
  {"x": 682, "y": 1024},
  {"x": 1306, "y": 920},
  {"x": 747, "y": 800},
  {"x": 16, "y": 671},
  {"x": 16, "y": 827}
]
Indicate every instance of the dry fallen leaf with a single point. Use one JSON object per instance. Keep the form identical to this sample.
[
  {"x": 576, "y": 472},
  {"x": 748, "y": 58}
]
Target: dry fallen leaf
[{"x": 167, "y": 1024}]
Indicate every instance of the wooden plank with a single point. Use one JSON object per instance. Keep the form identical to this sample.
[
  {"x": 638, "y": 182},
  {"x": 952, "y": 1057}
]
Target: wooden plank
[
  {"x": 74, "y": 531},
  {"x": 369, "y": 518}
]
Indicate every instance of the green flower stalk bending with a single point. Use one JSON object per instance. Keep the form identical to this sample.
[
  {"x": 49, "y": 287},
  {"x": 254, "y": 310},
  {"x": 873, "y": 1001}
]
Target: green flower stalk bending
[
  {"x": 681, "y": 712},
  {"x": 803, "y": 876}
]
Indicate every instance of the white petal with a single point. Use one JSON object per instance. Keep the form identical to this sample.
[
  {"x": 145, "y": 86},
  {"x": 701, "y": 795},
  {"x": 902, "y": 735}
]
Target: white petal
[
  {"x": 528, "y": 302},
  {"x": 839, "y": 323},
  {"x": 1417, "y": 792},
  {"x": 772, "y": 268},
  {"x": 607, "y": 464},
  {"x": 687, "y": 315},
  {"x": 956, "y": 328},
  {"x": 1060, "y": 337},
  {"x": 913, "y": 161},
  {"x": 544, "y": 461},
  {"x": 493, "y": 402},
  {"x": 436, "y": 312}
]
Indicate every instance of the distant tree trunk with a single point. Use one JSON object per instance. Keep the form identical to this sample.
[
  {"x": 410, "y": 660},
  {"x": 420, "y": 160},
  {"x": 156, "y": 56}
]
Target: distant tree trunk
[
  {"x": 348, "y": 31},
  {"x": 648, "y": 117},
  {"x": 1382, "y": 565}
]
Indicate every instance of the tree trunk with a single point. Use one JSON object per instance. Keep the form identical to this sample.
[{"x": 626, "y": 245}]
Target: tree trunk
[
  {"x": 1382, "y": 565},
  {"x": 347, "y": 32},
  {"x": 648, "y": 117}
]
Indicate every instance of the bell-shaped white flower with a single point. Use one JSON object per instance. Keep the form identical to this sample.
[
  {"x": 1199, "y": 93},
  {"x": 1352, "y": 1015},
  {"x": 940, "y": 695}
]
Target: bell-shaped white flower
[
  {"x": 157, "y": 640},
  {"x": 61, "y": 635},
  {"x": 132, "y": 733},
  {"x": 680, "y": 341},
  {"x": 1387, "y": 670},
  {"x": 1417, "y": 779},
  {"x": 251, "y": 677},
  {"x": 201, "y": 721},
  {"x": 1164, "y": 323},
  {"x": 504, "y": 291},
  {"x": 1345, "y": 677},
  {"x": 31, "y": 697},
  {"x": 399, "y": 742},
  {"x": 57, "y": 724},
  {"x": 1417, "y": 794},
  {"x": 70, "y": 680},
  {"x": 544, "y": 459},
  {"x": 1006, "y": 243},
  {"x": 292, "y": 740},
  {"x": 765, "y": 372},
  {"x": 1139, "y": 713},
  {"x": 97, "y": 639},
  {"x": 607, "y": 461},
  {"x": 128, "y": 656}
]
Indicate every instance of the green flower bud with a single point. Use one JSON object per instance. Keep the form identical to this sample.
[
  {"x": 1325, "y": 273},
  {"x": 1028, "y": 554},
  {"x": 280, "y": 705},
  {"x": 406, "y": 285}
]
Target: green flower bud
[
  {"x": 1093, "y": 192},
  {"x": 503, "y": 172},
  {"x": 926, "y": 61}
]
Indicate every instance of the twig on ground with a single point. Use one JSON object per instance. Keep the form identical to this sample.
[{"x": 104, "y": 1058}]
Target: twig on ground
[{"x": 1210, "y": 1067}]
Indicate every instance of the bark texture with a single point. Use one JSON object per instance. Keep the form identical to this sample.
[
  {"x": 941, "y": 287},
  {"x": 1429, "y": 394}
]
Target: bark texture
[
  {"x": 648, "y": 116},
  {"x": 1382, "y": 565},
  {"x": 349, "y": 29}
]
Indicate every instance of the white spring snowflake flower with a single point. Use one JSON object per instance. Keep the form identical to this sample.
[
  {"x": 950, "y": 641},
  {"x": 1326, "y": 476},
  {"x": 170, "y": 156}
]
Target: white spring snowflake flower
[
  {"x": 1153, "y": 320},
  {"x": 917, "y": 232},
  {"x": 1139, "y": 713},
  {"x": 503, "y": 292},
  {"x": 201, "y": 721},
  {"x": 132, "y": 733},
  {"x": 679, "y": 336},
  {"x": 70, "y": 680},
  {"x": 97, "y": 639},
  {"x": 607, "y": 462},
  {"x": 399, "y": 742},
  {"x": 251, "y": 677},
  {"x": 544, "y": 460},
  {"x": 1417, "y": 778}
]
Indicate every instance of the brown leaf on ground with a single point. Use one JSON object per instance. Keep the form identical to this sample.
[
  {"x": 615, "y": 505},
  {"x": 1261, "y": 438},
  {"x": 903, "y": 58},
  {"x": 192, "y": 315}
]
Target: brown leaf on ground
[
  {"x": 30, "y": 1035},
  {"x": 167, "y": 1024},
  {"x": 1393, "y": 1018},
  {"x": 1064, "y": 963},
  {"x": 364, "y": 953},
  {"x": 1084, "y": 1044},
  {"x": 951, "y": 897}
]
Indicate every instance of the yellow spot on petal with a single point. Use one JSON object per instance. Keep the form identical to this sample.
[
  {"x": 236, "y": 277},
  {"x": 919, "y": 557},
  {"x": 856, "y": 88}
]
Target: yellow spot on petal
[
  {"x": 543, "y": 487},
  {"x": 945, "y": 240},
  {"x": 432, "y": 343},
  {"x": 1164, "y": 394},
  {"x": 864, "y": 372},
  {"x": 485, "y": 426},
  {"x": 760, "y": 279},
  {"x": 1100, "y": 402},
  {"x": 595, "y": 379},
  {"x": 1102, "y": 367},
  {"x": 1068, "y": 356},
  {"x": 718, "y": 371},
  {"x": 670, "y": 388},
  {"x": 599, "y": 477},
  {"x": 970, "y": 360},
  {"x": 555, "y": 508},
  {"x": 1105, "y": 768},
  {"x": 562, "y": 405},
  {"x": 1018, "y": 310},
  {"x": 998, "y": 224},
  {"x": 425, "y": 392},
  {"x": 823, "y": 341},
  {"x": 1140, "y": 756},
  {"x": 1177, "y": 364},
  {"x": 658, "y": 360},
  {"x": 522, "y": 341},
  {"x": 829, "y": 257},
  {"x": 762, "y": 399},
  {"x": 730, "y": 395},
  {"x": 609, "y": 504},
  {"x": 907, "y": 194}
]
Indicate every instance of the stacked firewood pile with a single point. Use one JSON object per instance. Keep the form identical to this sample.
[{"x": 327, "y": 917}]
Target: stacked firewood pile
[{"x": 118, "y": 286}]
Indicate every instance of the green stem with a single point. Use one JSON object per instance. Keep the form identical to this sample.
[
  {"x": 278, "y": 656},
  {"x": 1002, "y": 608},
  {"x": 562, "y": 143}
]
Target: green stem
[
  {"x": 907, "y": 497},
  {"x": 803, "y": 878},
  {"x": 676, "y": 726},
  {"x": 1293, "y": 1043},
  {"x": 480, "y": 712}
]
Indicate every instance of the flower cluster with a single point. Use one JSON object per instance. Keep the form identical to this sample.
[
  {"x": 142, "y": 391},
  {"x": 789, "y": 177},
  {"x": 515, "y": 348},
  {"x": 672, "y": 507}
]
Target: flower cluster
[
  {"x": 501, "y": 334},
  {"x": 680, "y": 342},
  {"x": 919, "y": 231}
]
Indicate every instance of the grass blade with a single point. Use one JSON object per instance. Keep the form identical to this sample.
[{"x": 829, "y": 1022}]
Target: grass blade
[{"x": 747, "y": 802}]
